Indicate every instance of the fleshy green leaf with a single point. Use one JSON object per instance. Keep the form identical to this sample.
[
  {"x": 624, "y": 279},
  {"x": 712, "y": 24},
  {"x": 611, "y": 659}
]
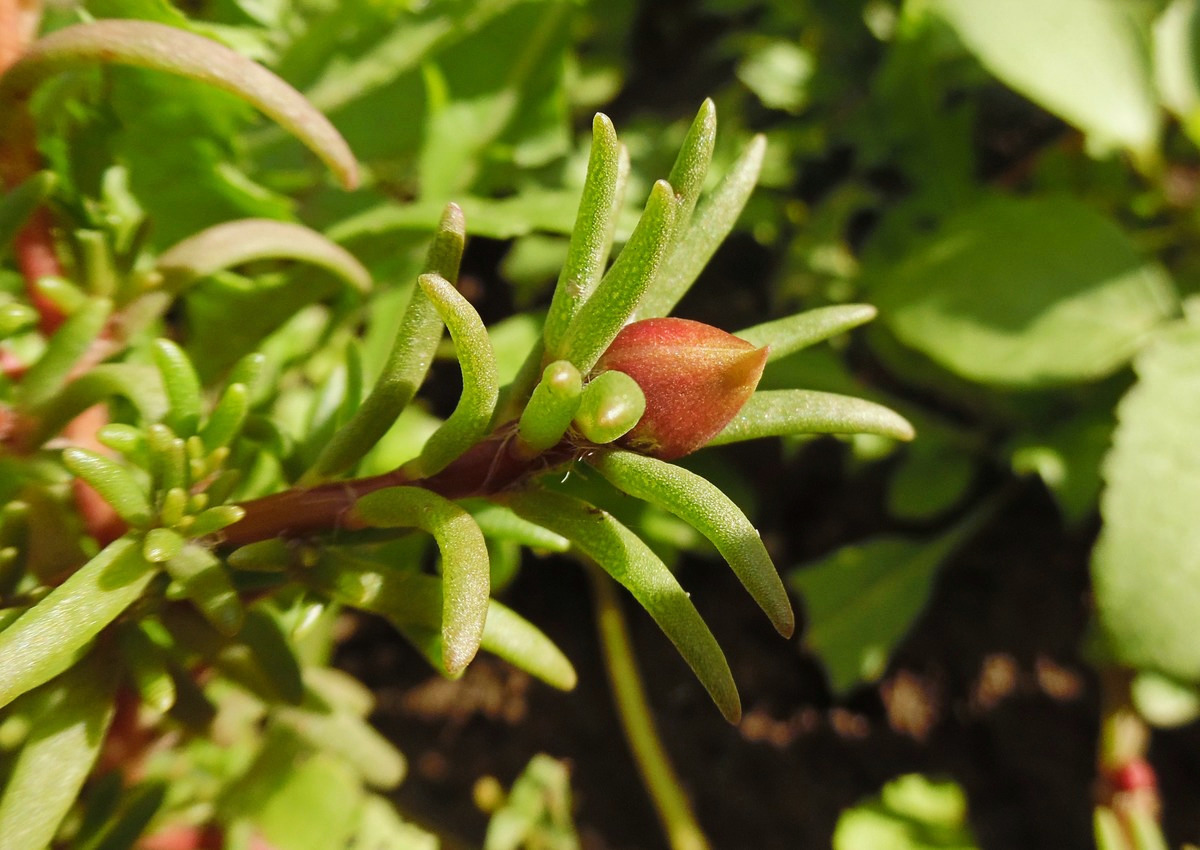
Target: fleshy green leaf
[
  {"x": 691, "y": 164},
  {"x": 611, "y": 404},
  {"x": 227, "y": 417},
  {"x": 182, "y": 386},
  {"x": 147, "y": 666},
  {"x": 113, "y": 481},
  {"x": 1146, "y": 564},
  {"x": 70, "y": 717},
  {"x": 410, "y": 599},
  {"x": 551, "y": 407},
  {"x": 712, "y": 221},
  {"x": 1084, "y": 60},
  {"x": 70, "y": 342},
  {"x": 591, "y": 239},
  {"x": 140, "y": 384},
  {"x": 233, "y": 243},
  {"x": 787, "y": 336},
  {"x": 1025, "y": 292},
  {"x": 862, "y": 599},
  {"x": 407, "y": 364},
  {"x": 465, "y": 573},
  {"x": 500, "y": 523},
  {"x": 774, "y": 413},
  {"x": 349, "y": 737},
  {"x": 472, "y": 416},
  {"x": 202, "y": 578},
  {"x": 616, "y": 298},
  {"x": 709, "y": 511},
  {"x": 150, "y": 45},
  {"x": 621, "y": 554}
]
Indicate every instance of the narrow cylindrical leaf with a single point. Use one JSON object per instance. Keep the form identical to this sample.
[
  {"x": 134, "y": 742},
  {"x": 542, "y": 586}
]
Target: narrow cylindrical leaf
[
  {"x": 169, "y": 458},
  {"x": 774, "y": 413},
  {"x": 617, "y": 296},
  {"x": 713, "y": 514},
  {"x": 212, "y": 520},
  {"x": 227, "y": 417},
  {"x": 465, "y": 573},
  {"x": 18, "y": 204},
  {"x": 165, "y": 48},
  {"x": 472, "y": 416},
  {"x": 272, "y": 556},
  {"x": 591, "y": 237},
  {"x": 70, "y": 342},
  {"x": 70, "y": 719},
  {"x": 789, "y": 335},
  {"x": 691, "y": 164},
  {"x": 695, "y": 377},
  {"x": 233, "y": 243},
  {"x": 147, "y": 665},
  {"x": 97, "y": 266},
  {"x": 114, "y": 482},
  {"x": 202, "y": 578},
  {"x": 711, "y": 223},
  {"x": 16, "y": 317},
  {"x": 140, "y": 384},
  {"x": 551, "y": 407},
  {"x": 611, "y": 405},
  {"x": 263, "y": 659},
  {"x": 620, "y": 553},
  {"x": 182, "y": 385},
  {"x": 407, "y": 364},
  {"x": 161, "y": 544},
  {"x": 126, "y": 439},
  {"x": 412, "y": 602},
  {"x": 49, "y": 637},
  {"x": 500, "y": 523}
]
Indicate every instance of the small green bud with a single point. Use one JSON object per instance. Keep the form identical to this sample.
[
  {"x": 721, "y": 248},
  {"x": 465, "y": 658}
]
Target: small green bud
[{"x": 611, "y": 405}]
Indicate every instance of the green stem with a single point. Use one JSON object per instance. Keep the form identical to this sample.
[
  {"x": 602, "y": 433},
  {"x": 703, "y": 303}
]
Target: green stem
[{"x": 666, "y": 793}]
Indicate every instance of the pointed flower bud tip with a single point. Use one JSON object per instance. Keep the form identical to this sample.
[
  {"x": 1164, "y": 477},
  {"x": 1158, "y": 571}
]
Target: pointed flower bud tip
[{"x": 695, "y": 378}]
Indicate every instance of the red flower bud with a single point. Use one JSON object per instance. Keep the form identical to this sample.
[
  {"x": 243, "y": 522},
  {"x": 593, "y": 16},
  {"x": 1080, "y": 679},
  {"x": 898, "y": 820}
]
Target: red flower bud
[{"x": 695, "y": 378}]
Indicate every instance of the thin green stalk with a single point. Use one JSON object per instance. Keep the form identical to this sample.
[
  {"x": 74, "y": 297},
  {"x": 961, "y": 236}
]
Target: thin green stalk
[{"x": 666, "y": 792}]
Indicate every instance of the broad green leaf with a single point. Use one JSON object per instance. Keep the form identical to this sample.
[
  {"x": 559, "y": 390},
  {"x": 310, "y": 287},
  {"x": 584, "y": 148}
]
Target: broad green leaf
[
  {"x": 933, "y": 475},
  {"x": 713, "y": 514},
  {"x": 1025, "y": 293},
  {"x": 910, "y": 813},
  {"x": 591, "y": 238},
  {"x": 621, "y": 554},
  {"x": 712, "y": 221},
  {"x": 1146, "y": 564},
  {"x": 786, "y": 336},
  {"x": 234, "y": 243},
  {"x": 165, "y": 48},
  {"x": 1084, "y": 60},
  {"x": 70, "y": 717},
  {"x": 472, "y": 416},
  {"x": 775, "y": 413},
  {"x": 862, "y": 599},
  {"x": 410, "y": 599},
  {"x": 616, "y": 298},
  {"x": 70, "y": 342},
  {"x": 465, "y": 574},
  {"x": 50, "y": 636},
  {"x": 1177, "y": 62},
  {"x": 411, "y": 355}
]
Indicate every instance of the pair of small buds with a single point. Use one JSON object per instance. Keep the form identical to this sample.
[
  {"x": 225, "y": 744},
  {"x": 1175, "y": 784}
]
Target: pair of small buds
[{"x": 663, "y": 388}]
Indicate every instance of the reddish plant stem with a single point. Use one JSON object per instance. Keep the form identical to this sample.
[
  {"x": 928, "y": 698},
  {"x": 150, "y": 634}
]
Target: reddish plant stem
[{"x": 486, "y": 469}]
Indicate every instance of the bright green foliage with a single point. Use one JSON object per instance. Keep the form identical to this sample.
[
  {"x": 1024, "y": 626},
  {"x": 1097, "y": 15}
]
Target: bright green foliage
[
  {"x": 911, "y": 813},
  {"x": 19, "y": 203},
  {"x": 52, "y": 370},
  {"x": 611, "y": 404},
  {"x": 772, "y": 413},
  {"x": 1025, "y": 293},
  {"x": 551, "y": 407},
  {"x": 537, "y": 811},
  {"x": 1146, "y": 565}
]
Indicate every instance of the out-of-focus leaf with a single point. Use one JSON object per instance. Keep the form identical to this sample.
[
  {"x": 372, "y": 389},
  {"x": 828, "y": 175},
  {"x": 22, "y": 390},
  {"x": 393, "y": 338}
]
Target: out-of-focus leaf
[
  {"x": 49, "y": 637},
  {"x": 1025, "y": 293},
  {"x": 862, "y": 599},
  {"x": 350, "y": 738},
  {"x": 70, "y": 717},
  {"x": 537, "y": 812},
  {"x": 1067, "y": 458},
  {"x": 933, "y": 475},
  {"x": 19, "y": 203},
  {"x": 1165, "y": 702},
  {"x": 380, "y": 828},
  {"x": 911, "y": 813},
  {"x": 778, "y": 72},
  {"x": 70, "y": 342},
  {"x": 1177, "y": 62},
  {"x": 1084, "y": 60},
  {"x": 1146, "y": 564}
]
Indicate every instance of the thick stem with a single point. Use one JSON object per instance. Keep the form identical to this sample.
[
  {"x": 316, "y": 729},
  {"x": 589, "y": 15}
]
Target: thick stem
[{"x": 670, "y": 802}]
